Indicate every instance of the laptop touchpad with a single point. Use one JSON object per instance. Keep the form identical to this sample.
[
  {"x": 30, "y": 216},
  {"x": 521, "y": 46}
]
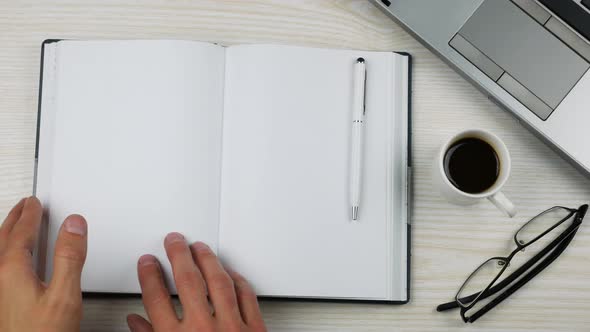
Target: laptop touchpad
[{"x": 526, "y": 59}]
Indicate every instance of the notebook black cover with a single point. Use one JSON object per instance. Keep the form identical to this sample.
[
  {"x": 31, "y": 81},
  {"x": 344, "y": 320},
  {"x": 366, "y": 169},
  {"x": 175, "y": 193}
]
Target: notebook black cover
[{"x": 268, "y": 298}]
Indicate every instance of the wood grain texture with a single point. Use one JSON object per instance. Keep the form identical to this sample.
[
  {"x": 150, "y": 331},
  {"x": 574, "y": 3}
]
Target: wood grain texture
[{"x": 448, "y": 242}]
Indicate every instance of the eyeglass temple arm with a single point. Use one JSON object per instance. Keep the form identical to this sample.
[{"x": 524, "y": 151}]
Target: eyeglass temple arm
[
  {"x": 511, "y": 277},
  {"x": 546, "y": 262}
]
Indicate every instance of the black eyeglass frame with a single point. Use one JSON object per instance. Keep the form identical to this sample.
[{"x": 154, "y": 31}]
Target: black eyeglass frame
[{"x": 558, "y": 245}]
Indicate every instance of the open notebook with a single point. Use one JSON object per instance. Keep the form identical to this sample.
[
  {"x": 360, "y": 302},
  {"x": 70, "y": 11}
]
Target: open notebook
[{"x": 244, "y": 147}]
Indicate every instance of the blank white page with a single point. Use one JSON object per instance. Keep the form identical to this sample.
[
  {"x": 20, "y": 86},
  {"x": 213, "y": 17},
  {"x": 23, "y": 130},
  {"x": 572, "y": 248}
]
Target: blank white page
[
  {"x": 285, "y": 215},
  {"x": 131, "y": 139}
]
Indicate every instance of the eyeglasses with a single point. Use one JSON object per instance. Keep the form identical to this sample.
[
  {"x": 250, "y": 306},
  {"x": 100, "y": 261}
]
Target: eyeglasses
[{"x": 547, "y": 235}]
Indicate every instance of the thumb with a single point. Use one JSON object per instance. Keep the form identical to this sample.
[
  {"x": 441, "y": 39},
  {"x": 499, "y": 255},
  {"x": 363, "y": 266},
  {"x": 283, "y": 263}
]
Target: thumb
[{"x": 69, "y": 256}]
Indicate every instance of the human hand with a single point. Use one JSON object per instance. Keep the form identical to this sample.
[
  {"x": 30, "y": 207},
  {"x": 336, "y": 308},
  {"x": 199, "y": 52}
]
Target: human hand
[
  {"x": 27, "y": 303},
  {"x": 197, "y": 272}
]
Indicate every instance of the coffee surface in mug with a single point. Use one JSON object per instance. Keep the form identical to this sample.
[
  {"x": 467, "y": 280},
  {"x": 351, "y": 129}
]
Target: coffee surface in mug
[{"x": 472, "y": 165}]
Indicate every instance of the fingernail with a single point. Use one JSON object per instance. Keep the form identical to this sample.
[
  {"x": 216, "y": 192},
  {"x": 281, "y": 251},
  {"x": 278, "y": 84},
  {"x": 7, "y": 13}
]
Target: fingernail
[
  {"x": 76, "y": 225},
  {"x": 200, "y": 246},
  {"x": 29, "y": 200},
  {"x": 147, "y": 260},
  {"x": 173, "y": 237},
  {"x": 131, "y": 322}
]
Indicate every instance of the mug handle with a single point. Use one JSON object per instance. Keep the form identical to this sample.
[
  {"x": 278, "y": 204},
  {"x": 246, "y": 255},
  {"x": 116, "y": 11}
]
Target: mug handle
[{"x": 503, "y": 204}]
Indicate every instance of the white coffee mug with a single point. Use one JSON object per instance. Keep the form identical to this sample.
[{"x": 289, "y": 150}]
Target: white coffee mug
[{"x": 493, "y": 193}]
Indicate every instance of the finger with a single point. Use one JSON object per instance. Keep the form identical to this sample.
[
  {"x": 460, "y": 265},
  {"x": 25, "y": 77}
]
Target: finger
[
  {"x": 155, "y": 296},
  {"x": 188, "y": 279},
  {"x": 247, "y": 301},
  {"x": 219, "y": 284},
  {"x": 69, "y": 256},
  {"x": 137, "y": 323},
  {"x": 25, "y": 231},
  {"x": 10, "y": 221},
  {"x": 12, "y": 216}
]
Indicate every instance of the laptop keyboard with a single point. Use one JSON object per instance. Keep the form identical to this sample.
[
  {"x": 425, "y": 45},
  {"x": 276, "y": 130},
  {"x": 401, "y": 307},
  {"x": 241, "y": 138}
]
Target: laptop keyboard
[{"x": 571, "y": 13}]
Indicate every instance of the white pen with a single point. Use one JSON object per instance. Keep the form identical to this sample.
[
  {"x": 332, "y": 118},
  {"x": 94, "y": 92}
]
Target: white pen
[{"x": 356, "y": 150}]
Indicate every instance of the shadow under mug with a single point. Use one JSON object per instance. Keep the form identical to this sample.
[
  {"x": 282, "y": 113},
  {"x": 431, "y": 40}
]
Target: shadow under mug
[{"x": 493, "y": 193}]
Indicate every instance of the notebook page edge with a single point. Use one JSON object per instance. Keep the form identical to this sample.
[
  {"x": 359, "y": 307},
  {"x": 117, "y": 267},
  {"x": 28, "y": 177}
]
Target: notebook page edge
[{"x": 43, "y": 152}]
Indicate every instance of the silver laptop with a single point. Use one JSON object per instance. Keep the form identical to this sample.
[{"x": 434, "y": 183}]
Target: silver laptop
[{"x": 530, "y": 57}]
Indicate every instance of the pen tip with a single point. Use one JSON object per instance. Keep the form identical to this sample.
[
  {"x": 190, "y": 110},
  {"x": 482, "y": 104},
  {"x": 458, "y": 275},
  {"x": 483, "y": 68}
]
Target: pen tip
[
  {"x": 361, "y": 60},
  {"x": 355, "y": 212}
]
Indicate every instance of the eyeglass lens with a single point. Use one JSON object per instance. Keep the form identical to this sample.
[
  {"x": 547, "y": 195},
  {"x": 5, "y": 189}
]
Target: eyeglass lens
[
  {"x": 541, "y": 223},
  {"x": 478, "y": 281}
]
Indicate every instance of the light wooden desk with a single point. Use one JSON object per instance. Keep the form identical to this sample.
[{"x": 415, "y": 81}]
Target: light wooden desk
[{"x": 448, "y": 242}]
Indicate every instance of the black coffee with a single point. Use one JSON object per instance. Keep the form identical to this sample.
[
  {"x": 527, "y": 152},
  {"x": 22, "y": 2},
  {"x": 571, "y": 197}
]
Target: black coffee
[{"x": 472, "y": 165}]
